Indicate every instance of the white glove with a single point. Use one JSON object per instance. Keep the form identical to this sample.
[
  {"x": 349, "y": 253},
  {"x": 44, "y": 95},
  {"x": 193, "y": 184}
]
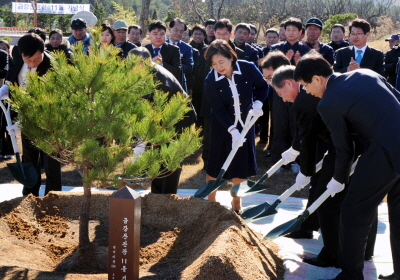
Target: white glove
[
  {"x": 138, "y": 151},
  {"x": 4, "y": 90},
  {"x": 236, "y": 136},
  {"x": 289, "y": 156},
  {"x": 334, "y": 187},
  {"x": 15, "y": 127},
  {"x": 257, "y": 109},
  {"x": 302, "y": 181}
]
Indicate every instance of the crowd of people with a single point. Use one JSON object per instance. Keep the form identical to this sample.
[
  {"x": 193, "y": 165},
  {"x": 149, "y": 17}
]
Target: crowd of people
[{"x": 334, "y": 101}]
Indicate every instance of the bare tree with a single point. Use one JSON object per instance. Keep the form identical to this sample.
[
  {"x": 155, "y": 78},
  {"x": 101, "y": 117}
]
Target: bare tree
[{"x": 144, "y": 15}]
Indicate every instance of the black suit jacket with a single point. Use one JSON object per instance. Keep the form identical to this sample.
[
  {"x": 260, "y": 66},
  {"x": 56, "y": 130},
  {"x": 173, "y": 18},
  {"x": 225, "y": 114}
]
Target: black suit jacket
[
  {"x": 13, "y": 72},
  {"x": 171, "y": 58},
  {"x": 361, "y": 103},
  {"x": 310, "y": 129},
  {"x": 372, "y": 59}
]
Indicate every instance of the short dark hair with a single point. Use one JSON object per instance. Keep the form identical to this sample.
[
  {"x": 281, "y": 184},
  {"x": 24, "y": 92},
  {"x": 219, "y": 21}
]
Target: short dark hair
[
  {"x": 104, "y": 27},
  {"x": 200, "y": 28},
  {"x": 38, "y": 31},
  {"x": 29, "y": 44},
  {"x": 172, "y": 23},
  {"x": 157, "y": 24},
  {"x": 244, "y": 26},
  {"x": 6, "y": 42},
  {"x": 221, "y": 47},
  {"x": 282, "y": 24},
  {"x": 55, "y": 31},
  {"x": 222, "y": 23},
  {"x": 135, "y": 26},
  {"x": 295, "y": 22},
  {"x": 252, "y": 26},
  {"x": 209, "y": 22},
  {"x": 360, "y": 23},
  {"x": 338, "y": 25},
  {"x": 274, "y": 60},
  {"x": 281, "y": 74},
  {"x": 310, "y": 65},
  {"x": 272, "y": 30},
  {"x": 142, "y": 52}
]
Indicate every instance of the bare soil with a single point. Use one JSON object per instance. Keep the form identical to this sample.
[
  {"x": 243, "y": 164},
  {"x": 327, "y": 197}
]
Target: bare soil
[{"x": 181, "y": 238}]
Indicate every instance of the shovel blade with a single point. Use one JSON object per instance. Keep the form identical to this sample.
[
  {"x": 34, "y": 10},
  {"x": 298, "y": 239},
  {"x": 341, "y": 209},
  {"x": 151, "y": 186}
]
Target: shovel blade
[
  {"x": 287, "y": 227},
  {"x": 256, "y": 189},
  {"x": 208, "y": 188},
  {"x": 250, "y": 213},
  {"x": 240, "y": 190},
  {"x": 25, "y": 173}
]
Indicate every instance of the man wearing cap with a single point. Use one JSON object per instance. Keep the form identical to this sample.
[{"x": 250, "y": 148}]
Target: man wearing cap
[
  {"x": 314, "y": 31},
  {"x": 120, "y": 30},
  {"x": 337, "y": 35},
  {"x": 79, "y": 34},
  {"x": 177, "y": 27},
  {"x": 391, "y": 59},
  {"x": 360, "y": 55}
]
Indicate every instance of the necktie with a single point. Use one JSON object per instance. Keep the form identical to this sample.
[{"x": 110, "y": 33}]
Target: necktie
[
  {"x": 156, "y": 51},
  {"x": 359, "y": 56}
]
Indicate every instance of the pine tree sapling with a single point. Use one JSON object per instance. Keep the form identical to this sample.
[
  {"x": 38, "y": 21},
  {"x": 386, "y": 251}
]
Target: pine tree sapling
[{"x": 90, "y": 112}]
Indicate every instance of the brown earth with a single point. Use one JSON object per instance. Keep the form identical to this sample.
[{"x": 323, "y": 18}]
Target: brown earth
[{"x": 181, "y": 238}]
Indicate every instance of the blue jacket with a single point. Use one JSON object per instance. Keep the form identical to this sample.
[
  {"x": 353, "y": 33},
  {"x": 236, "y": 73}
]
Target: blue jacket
[
  {"x": 250, "y": 53},
  {"x": 85, "y": 41},
  {"x": 286, "y": 46},
  {"x": 186, "y": 51}
]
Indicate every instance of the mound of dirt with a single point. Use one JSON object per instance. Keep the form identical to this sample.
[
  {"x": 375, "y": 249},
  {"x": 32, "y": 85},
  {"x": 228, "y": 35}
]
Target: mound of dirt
[{"x": 181, "y": 238}]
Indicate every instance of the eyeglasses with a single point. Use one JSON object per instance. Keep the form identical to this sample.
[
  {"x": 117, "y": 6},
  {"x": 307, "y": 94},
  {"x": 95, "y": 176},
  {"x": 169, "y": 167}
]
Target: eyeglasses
[
  {"x": 304, "y": 87},
  {"x": 356, "y": 34},
  {"x": 28, "y": 61}
]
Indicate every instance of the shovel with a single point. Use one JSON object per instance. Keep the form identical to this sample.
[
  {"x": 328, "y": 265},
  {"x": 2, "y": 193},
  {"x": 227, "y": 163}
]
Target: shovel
[
  {"x": 263, "y": 210},
  {"x": 248, "y": 187},
  {"x": 212, "y": 185},
  {"x": 25, "y": 173},
  {"x": 295, "y": 224}
]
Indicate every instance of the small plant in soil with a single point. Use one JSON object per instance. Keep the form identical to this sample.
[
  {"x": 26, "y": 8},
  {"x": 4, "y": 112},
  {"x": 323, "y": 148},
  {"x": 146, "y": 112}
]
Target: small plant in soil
[{"x": 90, "y": 112}]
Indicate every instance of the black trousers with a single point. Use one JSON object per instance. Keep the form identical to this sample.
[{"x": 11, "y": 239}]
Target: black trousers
[
  {"x": 329, "y": 215},
  {"x": 167, "y": 185},
  {"x": 284, "y": 127},
  {"x": 373, "y": 178},
  {"x": 52, "y": 168},
  {"x": 206, "y": 140},
  {"x": 264, "y": 120}
]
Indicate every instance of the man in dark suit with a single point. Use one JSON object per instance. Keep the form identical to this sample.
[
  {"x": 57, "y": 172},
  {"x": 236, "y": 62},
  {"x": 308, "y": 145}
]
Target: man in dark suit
[
  {"x": 165, "y": 54},
  {"x": 32, "y": 57},
  {"x": 359, "y": 103},
  {"x": 177, "y": 27},
  {"x": 242, "y": 32},
  {"x": 337, "y": 36},
  {"x": 169, "y": 84},
  {"x": 292, "y": 47},
  {"x": 360, "y": 55},
  {"x": 311, "y": 140}
]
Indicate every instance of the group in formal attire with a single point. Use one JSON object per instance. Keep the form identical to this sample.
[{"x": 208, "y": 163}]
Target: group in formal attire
[{"x": 336, "y": 99}]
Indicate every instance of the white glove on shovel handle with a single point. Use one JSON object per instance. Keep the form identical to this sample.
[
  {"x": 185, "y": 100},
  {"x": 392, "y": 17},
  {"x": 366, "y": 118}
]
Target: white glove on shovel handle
[
  {"x": 257, "y": 108},
  {"x": 138, "y": 151},
  {"x": 235, "y": 137},
  {"x": 302, "y": 181},
  {"x": 289, "y": 156},
  {"x": 15, "y": 128},
  {"x": 4, "y": 92},
  {"x": 334, "y": 187}
]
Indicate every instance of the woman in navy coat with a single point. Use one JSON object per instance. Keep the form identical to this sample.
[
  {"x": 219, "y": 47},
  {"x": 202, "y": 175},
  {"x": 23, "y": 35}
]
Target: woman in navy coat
[{"x": 233, "y": 88}]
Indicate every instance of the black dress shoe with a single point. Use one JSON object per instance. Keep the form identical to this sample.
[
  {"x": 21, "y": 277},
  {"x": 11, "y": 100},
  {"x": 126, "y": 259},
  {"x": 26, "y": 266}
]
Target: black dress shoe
[
  {"x": 387, "y": 277},
  {"x": 300, "y": 234},
  {"x": 318, "y": 262}
]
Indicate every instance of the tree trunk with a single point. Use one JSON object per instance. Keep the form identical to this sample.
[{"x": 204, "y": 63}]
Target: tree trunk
[
  {"x": 144, "y": 15},
  {"x": 84, "y": 216}
]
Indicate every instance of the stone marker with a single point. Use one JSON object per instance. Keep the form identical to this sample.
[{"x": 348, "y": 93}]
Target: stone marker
[{"x": 124, "y": 235}]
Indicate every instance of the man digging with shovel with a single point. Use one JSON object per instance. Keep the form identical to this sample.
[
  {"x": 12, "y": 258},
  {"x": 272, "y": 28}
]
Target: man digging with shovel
[
  {"x": 359, "y": 102},
  {"x": 311, "y": 132},
  {"x": 32, "y": 57}
]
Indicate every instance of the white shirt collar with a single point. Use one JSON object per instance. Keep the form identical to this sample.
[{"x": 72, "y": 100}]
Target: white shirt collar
[
  {"x": 235, "y": 71},
  {"x": 155, "y": 47},
  {"x": 363, "y": 49}
]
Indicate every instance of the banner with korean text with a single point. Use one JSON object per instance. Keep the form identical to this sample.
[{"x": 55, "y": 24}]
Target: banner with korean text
[{"x": 57, "y": 9}]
